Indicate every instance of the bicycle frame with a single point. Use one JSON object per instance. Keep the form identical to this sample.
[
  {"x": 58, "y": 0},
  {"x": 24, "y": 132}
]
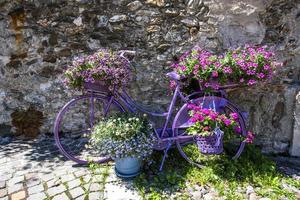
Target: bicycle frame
[
  {"x": 164, "y": 139},
  {"x": 133, "y": 107}
]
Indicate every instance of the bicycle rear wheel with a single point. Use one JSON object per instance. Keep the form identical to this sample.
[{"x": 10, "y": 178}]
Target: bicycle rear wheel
[
  {"x": 74, "y": 122},
  {"x": 233, "y": 146}
]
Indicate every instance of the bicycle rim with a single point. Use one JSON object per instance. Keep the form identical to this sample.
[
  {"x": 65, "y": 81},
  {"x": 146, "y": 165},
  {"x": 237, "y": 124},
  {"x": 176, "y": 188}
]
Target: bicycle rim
[
  {"x": 189, "y": 150},
  {"x": 74, "y": 123}
]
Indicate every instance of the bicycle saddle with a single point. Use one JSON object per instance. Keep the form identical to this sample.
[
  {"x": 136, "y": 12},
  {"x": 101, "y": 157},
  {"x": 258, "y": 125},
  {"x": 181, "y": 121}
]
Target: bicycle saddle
[{"x": 174, "y": 76}]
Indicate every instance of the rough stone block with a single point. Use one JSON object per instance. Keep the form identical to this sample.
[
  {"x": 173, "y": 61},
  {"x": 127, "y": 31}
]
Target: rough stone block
[{"x": 295, "y": 147}]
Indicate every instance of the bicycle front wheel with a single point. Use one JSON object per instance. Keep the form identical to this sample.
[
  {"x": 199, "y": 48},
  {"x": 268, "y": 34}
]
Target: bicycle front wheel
[
  {"x": 74, "y": 122},
  {"x": 233, "y": 145}
]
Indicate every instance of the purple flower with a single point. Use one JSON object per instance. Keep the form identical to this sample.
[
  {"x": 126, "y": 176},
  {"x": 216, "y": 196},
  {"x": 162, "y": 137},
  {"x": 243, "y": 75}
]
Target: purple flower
[
  {"x": 261, "y": 75},
  {"x": 251, "y": 82},
  {"x": 227, "y": 70},
  {"x": 266, "y": 67}
]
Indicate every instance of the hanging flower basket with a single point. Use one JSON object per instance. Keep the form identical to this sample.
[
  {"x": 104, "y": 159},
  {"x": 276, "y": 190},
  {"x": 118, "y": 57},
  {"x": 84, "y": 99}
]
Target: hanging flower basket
[{"x": 210, "y": 144}]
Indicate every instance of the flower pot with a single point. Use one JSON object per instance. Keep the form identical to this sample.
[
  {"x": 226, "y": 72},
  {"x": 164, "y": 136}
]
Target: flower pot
[{"x": 128, "y": 167}]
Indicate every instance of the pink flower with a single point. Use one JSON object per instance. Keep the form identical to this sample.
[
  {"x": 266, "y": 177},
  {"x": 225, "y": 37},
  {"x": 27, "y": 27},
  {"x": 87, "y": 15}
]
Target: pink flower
[
  {"x": 242, "y": 80},
  {"x": 237, "y": 129},
  {"x": 206, "y": 111},
  {"x": 227, "y": 122},
  {"x": 215, "y": 74},
  {"x": 235, "y": 116},
  {"x": 206, "y": 128},
  {"x": 213, "y": 116},
  {"x": 250, "y": 137}
]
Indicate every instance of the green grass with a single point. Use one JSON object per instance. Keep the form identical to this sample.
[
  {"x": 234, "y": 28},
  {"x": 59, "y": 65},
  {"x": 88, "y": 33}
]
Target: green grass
[{"x": 220, "y": 172}]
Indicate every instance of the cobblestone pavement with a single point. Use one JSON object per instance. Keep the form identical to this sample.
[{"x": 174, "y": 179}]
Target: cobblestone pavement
[{"x": 35, "y": 170}]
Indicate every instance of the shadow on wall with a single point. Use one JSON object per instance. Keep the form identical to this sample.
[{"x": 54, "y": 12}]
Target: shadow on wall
[{"x": 27, "y": 122}]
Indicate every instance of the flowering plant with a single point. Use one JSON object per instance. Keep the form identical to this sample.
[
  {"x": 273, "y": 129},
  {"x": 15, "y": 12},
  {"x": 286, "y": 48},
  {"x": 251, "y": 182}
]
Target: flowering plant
[
  {"x": 123, "y": 136},
  {"x": 245, "y": 65},
  {"x": 104, "y": 65},
  {"x": 206, "y": 120}
]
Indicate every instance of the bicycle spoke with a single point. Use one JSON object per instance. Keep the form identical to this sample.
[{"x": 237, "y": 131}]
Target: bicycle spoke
[{"x": 76, "y": 123}]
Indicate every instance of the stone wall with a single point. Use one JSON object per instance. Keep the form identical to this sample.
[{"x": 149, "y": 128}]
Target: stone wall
[{"x": 38, "y": 38}]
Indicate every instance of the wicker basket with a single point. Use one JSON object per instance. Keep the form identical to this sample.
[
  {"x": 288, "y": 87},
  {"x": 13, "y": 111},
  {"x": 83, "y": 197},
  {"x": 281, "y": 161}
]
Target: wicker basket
[
  {"x": 210, "y": 144},
  {"x": 97, "y": 86}
]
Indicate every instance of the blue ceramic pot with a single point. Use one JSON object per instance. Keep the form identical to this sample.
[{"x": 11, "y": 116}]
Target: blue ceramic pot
[{"x": 128, "y": 167}]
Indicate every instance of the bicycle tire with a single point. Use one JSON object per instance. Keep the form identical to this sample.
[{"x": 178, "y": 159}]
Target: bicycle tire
[
  {"x": 182, "y": 113},
  {"x": 58, "y": 126}
]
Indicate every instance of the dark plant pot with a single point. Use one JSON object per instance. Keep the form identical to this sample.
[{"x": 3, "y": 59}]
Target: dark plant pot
[{"x": 128, "y": 167}]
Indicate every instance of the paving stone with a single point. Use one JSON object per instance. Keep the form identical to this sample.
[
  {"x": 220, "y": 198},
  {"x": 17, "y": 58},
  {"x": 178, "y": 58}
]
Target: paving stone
[
  {"x": 46, "y": 177},
  {"x": 53, "y": 183},
  {"x": 35, "y": 189},
  {"x": 81, "y": 198},
  {"x": 5, "y": 177},
  {"x": 4, "y": 198},
  {"x": 74, "y": 183},
  {"x": 60, "y": 172},
  {"x": 92, "y": 187},
  {"x": 3, "y": 160},
  {"x": 2, "y": 184},
  {"x": 18, "y": 196},
  {"x": 15, "y": 188},
  {"x": 15, "y": 180},
  {"x": 114, "y": 192},
  {"x": 76, "y": 192},
  {"x": 32, "y": 182},
  {"x": 38, "y": 196},
  {"x": 68, "y": 177},
  {"x": 87, "y": 178},
  {"x": 95, "y": 196},
  {"x": 3, "y": 192},
  {"x": 56, "y": 190},
  {"x": 80, "y": 173},
  {"x": 62, "y": 196}
]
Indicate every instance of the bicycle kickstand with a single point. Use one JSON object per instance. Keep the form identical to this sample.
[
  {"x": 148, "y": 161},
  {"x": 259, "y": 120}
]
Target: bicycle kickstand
[{"x": 165, "y": 155}]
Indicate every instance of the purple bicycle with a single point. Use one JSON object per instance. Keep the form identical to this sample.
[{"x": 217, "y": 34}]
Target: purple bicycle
[{"x": 72, "y": 136}]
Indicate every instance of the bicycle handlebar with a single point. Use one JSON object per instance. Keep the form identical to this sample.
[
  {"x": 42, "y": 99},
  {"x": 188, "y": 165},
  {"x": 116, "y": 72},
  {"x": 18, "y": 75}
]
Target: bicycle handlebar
[{"x": 122, "y": 52}]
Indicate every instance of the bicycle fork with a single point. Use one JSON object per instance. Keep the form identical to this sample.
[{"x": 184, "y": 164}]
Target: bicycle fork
[{"x": 165, "y": 155}]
